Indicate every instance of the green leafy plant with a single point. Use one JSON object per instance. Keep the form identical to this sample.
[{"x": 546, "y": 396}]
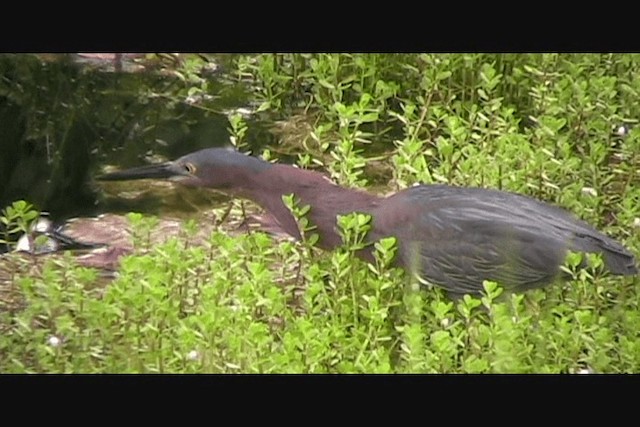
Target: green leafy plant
[
  {"x": 16, "y": 219},
  {"x": 545, "y": 125}
]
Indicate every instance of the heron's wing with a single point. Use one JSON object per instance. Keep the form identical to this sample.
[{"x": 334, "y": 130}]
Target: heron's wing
[
  {"x": 458, "y": 241},
  {"x": 460, "y": 260},
  {"x": 458, "y": 237}
]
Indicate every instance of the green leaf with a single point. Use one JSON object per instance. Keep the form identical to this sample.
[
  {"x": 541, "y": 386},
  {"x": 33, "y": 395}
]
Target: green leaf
[
  {"x": 326, "y": 84},
  {"x": 442, "y": 75}
]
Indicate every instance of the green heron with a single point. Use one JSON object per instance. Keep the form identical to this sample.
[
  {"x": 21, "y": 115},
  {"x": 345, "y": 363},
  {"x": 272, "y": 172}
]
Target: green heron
[{"x": 453, "y": 237}]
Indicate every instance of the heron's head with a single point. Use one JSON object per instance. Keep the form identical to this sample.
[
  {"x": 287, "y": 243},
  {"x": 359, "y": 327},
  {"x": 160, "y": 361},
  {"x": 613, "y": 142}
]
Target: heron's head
[{"x": 219, "y": 168}]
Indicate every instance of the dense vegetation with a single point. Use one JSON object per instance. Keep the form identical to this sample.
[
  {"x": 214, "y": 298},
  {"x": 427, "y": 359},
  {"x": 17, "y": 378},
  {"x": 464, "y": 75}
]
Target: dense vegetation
[{"x": 560, "y": 128}]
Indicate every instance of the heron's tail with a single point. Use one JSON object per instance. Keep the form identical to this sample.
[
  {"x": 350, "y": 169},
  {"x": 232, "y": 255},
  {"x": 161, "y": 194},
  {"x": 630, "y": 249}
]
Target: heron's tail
[
  {"x": 622, "y": 264},
  {"x": 616, "y": 257}
]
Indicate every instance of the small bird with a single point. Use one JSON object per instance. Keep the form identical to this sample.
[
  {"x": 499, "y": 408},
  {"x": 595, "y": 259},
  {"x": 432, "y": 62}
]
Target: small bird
[
  {"x": 45, "y": 237},
  {"x": 452, "y": 237}
]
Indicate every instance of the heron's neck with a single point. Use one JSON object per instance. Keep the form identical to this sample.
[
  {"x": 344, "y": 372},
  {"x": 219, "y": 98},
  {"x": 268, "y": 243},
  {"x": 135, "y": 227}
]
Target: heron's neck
[{"x": 326, "y": 200}]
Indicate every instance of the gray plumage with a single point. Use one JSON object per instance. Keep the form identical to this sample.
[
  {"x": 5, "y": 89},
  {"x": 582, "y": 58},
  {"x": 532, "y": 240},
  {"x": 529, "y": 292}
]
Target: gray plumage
[{"x": 458, "y": 237}]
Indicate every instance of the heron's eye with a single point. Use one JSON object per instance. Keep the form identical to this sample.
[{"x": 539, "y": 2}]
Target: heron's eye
[{"x": 189, "y": 167}]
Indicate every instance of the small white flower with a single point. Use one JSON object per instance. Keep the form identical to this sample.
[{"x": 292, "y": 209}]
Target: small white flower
[
  {"x": 54, "y": 341},
  {"x": 210, "y": 67},
  {"x": 444, "y": 322},
  {"x": 636, "y": 222},
  {"x": 589, "y": 191},
  {"x": 584, "y": 371},
  {"x": 193, "y": 355},
  {"x": 622, "y": 130}
]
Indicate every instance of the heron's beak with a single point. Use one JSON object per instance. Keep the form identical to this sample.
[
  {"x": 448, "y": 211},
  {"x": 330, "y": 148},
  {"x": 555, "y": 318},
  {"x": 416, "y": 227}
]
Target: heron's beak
[{"x": 166, "y": 170}]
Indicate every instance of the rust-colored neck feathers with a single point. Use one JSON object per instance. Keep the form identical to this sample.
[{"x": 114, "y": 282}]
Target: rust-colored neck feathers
[{"x": 326, "y": 199}]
